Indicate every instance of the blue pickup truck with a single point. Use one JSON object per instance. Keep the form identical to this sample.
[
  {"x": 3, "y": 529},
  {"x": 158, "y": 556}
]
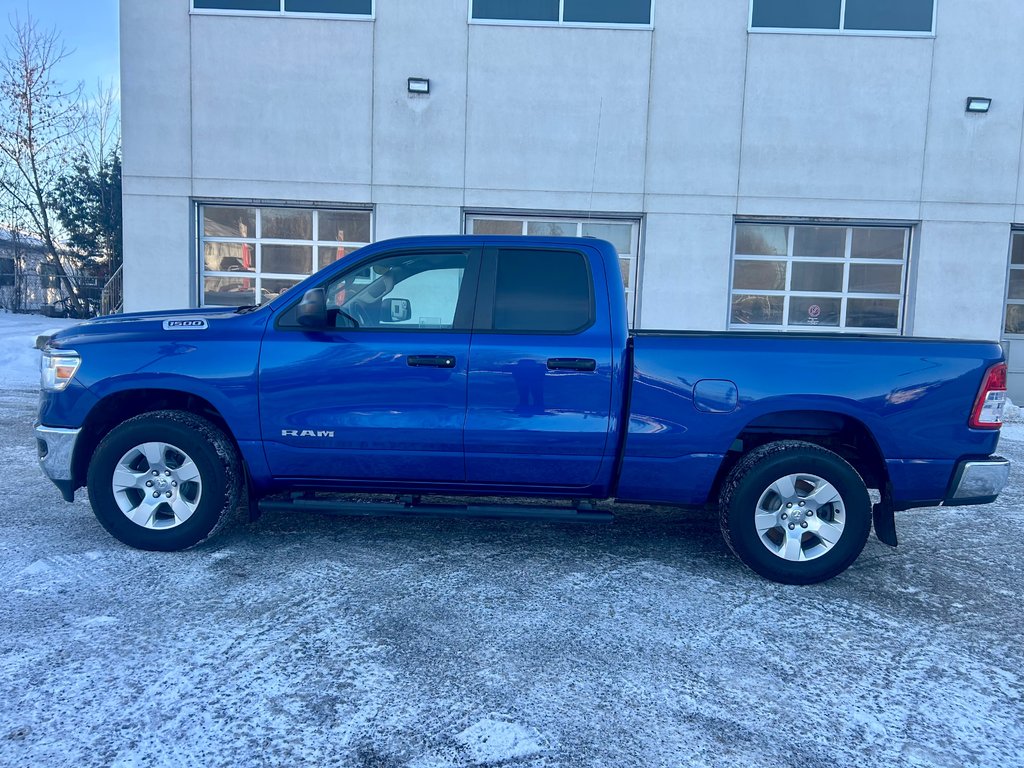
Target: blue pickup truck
[{"x": 504, "y": 366}]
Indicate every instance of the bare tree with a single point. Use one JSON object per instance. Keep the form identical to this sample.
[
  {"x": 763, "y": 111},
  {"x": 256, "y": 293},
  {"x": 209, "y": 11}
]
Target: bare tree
[{"x": 41, "y": 122}]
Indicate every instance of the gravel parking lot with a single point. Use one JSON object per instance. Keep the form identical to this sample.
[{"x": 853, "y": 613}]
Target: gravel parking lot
[{"x": 397, "y": 642}]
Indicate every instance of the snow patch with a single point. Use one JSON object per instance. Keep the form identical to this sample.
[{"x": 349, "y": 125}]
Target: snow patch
[
  {"x": 491, "y": 741},
  {"x": 19, "y": 358},
  {"x": 38, "y": 568}
]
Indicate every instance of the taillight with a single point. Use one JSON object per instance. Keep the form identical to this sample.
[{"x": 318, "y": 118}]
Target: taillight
[{"x": 988, "y": 408}]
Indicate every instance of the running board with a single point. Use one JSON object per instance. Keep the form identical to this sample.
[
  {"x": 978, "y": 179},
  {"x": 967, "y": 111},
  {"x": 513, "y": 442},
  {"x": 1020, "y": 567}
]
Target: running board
[{"x": 407, "y": 506}]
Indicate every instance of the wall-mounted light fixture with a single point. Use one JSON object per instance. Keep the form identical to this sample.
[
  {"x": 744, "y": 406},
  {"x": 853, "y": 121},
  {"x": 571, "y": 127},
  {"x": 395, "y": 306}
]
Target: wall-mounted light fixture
[
  {"x": 419, "y": 85},
  {"x": 978, "y": 104}
]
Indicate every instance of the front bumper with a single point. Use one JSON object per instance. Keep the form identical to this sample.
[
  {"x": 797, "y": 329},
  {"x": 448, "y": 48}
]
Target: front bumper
[
  {"x": 56, "y": 451},
  {"x": 978, "y": 482}
]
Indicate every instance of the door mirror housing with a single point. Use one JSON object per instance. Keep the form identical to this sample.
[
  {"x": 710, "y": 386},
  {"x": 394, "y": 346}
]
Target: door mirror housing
[
  {"x": 395, "y": 310},
  {"x": 312, "y": 310}
]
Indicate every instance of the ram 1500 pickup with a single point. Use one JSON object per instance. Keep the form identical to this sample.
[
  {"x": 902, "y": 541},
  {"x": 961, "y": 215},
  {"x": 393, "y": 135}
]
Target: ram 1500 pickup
[{"x": 504, "y": 366}]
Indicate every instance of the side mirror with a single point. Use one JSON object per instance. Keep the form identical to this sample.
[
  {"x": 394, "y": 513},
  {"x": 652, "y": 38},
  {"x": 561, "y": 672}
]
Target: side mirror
[
  {"x": 395, "y": 310},
  {"x": 312, "y": 310}
]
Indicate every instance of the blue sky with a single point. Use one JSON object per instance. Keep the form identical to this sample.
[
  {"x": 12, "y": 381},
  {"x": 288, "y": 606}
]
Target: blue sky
[{"x": 89, "y": 29}]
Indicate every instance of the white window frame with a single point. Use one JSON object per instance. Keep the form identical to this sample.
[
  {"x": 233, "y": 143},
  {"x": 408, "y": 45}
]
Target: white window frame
[
  {"x": 257, "y": 241},
  {"x": 636, "y": 239},
  {"x": 844, "y": 296},
  {"x": 1015, "y": 232},
  {"x": 842, "y": 27},
  {"x": 560, "y": 22},
  {"x": 282, "y": 13}
]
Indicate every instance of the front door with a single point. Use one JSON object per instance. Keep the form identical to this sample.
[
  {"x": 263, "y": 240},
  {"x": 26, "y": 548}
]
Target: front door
[{"x": 380, "y": 394}]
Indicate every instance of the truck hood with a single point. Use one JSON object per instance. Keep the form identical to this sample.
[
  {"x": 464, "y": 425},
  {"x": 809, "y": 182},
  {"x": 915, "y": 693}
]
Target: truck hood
[{"x": 186, "y": 325}]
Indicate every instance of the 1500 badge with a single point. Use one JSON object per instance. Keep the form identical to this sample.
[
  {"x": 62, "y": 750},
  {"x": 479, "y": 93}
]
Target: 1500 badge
[
  {"x": 307, "y": 433},
  {"x": 185, "y": 325}
]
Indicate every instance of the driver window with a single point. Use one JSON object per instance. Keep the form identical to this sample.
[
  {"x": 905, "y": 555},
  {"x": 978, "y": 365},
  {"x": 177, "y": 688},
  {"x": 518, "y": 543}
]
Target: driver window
[{"x": 415, "y": 290}]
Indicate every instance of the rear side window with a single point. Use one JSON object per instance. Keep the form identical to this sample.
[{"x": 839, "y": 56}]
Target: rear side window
[{"x": 542, "y": 291}]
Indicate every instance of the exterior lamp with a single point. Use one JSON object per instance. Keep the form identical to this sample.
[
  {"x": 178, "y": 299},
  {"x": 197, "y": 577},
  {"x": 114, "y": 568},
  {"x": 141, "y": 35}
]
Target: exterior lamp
[
  {"x": 419, "y": 85},
  {"x": 978, "y": 104}
]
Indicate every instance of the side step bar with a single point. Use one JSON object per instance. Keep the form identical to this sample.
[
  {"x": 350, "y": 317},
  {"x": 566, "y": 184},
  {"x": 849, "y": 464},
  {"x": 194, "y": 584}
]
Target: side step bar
[{"x": 410, "y": 506}]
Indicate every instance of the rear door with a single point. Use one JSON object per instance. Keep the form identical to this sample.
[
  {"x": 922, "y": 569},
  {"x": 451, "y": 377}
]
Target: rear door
[
  {"x": 540, "y": 374},
  {"x": 381, "y": 393}
]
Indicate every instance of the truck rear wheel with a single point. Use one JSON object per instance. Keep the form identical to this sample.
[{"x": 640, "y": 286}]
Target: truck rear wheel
[
  {"x": 795, "y": 512},
  {"x": 164, "y": 481}
]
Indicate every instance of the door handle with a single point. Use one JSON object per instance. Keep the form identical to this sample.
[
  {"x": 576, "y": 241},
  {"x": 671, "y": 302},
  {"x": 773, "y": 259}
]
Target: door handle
[
  {"x": 431, "y": 361},
  {"x": 572, "y": 364}
]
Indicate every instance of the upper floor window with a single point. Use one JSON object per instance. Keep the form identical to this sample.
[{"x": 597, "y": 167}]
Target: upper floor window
[
  {"x": 914, "y": 17},
  {"x": 360, "y": 8},
  {"x": 613, "y": 12}
]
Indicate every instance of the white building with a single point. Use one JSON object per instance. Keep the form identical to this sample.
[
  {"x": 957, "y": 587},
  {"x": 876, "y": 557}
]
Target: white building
[{"x": 762, "y": 164}]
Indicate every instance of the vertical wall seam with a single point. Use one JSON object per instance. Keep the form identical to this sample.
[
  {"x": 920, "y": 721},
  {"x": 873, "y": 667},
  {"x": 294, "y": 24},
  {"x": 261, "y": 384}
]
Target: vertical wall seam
[
  {"x": 465, "y": 130},
  {"x": 373, "y": 116},
  {"x": 927, "y": 133},
  {"x": 743, "y": 121}
]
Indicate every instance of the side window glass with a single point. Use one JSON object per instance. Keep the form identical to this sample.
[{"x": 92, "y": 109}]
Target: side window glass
[
  {"x": 542, "y": 291},
  {"x": 414, "y": 290}
]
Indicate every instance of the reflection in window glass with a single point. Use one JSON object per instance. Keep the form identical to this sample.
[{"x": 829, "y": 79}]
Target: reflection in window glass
[
  {"x": 619, "y": 235},
  {"x": 520, "y": 10},
  {"x": 878, "y": 243},
  {"x": 872, "y": 313},
  {"x": 608, "y": 11},
  {"x": 552, "y": 228},
  {"x": 815, "y": 311},
  {"x": 820, "y": 242},
  {"x": 545, "y": 291},
  {"x": 797, "y": 14},
  {"x": 287, "y": 224},
  {"x": 811, "y": 276},
  {"x": 760, "y": 276},
  {"x": 762, "y": 240},
  {"x": 1015, "y": 286},
  {"x": 238, "y": 5},
  {"x": 352, "y": 7},
  {"x": 887, "y": 15},
  {"x": 229, "y": 245},
  {"x": 224, "y": 221},
  {"x": 757, "y": 310},
  {"x": 497, "y": 227},
  {"x": 826, "y": 287}
]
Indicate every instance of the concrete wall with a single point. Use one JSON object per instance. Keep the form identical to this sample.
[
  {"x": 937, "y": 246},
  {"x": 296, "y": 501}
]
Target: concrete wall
[{"x": 688, "y": 125}]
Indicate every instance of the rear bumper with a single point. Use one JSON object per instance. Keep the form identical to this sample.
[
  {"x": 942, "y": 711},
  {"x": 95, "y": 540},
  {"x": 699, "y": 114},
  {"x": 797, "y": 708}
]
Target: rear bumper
[
  {"x": 978, "y": 482},
  {"x": 56, "y": 448}
]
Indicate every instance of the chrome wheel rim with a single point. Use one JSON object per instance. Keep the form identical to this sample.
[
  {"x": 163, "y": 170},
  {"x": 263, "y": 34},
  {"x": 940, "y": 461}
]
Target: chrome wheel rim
[
  {"x": 800, "y": 517},
  {"x": 157, "y": 485}
]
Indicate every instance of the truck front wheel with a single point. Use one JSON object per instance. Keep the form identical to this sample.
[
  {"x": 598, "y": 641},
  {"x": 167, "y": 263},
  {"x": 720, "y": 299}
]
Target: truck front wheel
[
  {"x": 164, "y": 480},
  {"x": 795, "y": 512}
]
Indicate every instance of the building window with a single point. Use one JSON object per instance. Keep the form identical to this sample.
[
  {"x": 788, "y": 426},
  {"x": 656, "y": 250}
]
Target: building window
[
  {"x": 571, "y": 12},
  {"x": 252, "y": 255},
  {"x": 1015, "y": 287},
  {"x": 819, "y": 277},
  {"x": 622, "y": 233},
  {"x": 6, "y": 271},
  {"x": 357, "y": 8},
  {"x": 854, "y": 16}
]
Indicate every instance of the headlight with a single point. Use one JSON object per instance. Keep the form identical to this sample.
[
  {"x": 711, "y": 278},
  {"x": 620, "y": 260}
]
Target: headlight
[{"x": 57, "y": 368}]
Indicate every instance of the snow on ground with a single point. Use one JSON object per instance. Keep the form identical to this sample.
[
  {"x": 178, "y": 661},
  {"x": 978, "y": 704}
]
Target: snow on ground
[
  {"x": 19, "y": 359},
  {"x": 304, "y": 640}
]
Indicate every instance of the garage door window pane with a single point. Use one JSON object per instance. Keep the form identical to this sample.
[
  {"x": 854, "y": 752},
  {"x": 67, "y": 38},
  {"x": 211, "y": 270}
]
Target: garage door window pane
[
  {"x": 230, "y": 257},
  {"x": 608, "y": 11},
  {"x": 760, "y": 276},
  {"x": 552, "y": 228},
  {"x": 229, "y": 291},
  {"x": 797, "y": 14},
  {"x": 761, "y": 240},
  {"x": 521, "y": 10},
  {"x": 757, "y": 310},
  {"x": 353, "y": 7},
  {"x": 873, "y": 313},
  {"x": 890, "y": 15},
  {"x": 1015, "y": 318},
  {"x": 238, "y": 5},
  {"x": 619, "y": 235},
  {"x": 1017, "y": 252},
  {"x": 808, "y": 276},
  {"x": 345, "y": 226},
  {"x": 878, "y": 243},
  {"x": 229, "y": 222},
  {"x": 287, "y": 224},
  {"x": 497, "y": 227},
  {"x": 820, "y": 242},
  {"x": 876, "y": 278},
  {"x": 816, "y": 311}
]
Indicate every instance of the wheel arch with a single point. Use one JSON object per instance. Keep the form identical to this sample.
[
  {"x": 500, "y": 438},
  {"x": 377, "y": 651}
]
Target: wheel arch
[{"x": 844, "y": 435}]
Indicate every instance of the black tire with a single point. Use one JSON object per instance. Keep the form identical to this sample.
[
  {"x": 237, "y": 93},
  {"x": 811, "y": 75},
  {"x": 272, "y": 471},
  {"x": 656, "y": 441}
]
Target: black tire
[
  {"x": 219, "y": 473},
  {"x": 754, "y": 475}
]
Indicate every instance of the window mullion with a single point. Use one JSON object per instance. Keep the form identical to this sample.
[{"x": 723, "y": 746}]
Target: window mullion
[
  {"x": 842, "y": 16},
  {"x": 561, "y": 11}
]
